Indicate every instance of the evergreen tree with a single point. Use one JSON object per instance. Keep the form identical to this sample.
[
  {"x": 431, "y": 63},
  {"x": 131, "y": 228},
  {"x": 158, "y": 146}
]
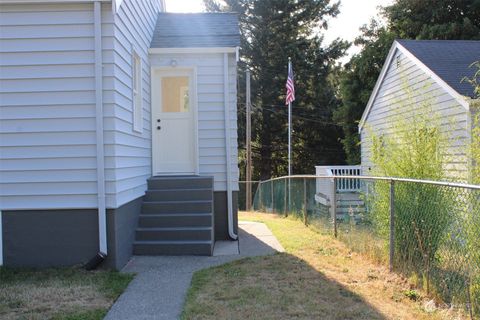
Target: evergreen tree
[{"x": 272, "y": 31}]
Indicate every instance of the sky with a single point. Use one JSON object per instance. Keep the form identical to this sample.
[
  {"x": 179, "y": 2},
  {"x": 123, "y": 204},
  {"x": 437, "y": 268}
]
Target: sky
[{"x": 353, "y": 14}]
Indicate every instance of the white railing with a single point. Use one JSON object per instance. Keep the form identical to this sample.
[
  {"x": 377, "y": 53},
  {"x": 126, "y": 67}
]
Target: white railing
[
  {"x": 346, "y": 185},
  {"x": 325, "y": 186}
]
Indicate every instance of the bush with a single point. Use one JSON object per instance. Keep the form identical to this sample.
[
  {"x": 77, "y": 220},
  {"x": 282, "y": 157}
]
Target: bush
[
  {"x": 436, "y": 227},
  {"x": 422, "y": 212}
]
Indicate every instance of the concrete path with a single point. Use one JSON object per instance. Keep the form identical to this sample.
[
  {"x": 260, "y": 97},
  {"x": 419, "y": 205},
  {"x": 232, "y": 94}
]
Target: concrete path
[{"x": 159, "y": 288}]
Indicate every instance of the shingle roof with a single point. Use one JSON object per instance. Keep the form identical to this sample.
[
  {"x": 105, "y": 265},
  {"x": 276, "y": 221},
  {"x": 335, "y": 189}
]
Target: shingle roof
[
  {"x": 449, "y": 59},
  {"x": 194, "y": 30}
]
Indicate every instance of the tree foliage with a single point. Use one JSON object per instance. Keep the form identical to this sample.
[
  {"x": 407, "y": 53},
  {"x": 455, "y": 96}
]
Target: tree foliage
[
  {"x": 272, "y": 31},
  {"x": 406, "y": 19}
]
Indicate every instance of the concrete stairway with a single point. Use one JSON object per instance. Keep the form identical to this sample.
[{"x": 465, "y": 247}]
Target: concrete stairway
[
  {"x": 177, "y": 217},
  {"x": 349, "y": 204}
]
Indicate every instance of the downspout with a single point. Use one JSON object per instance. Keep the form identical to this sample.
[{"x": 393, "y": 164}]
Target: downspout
[
  {"x": 102, "y": 218},
  {"x": 231, "y": 231},
  {"x": 1, "y": 240}
]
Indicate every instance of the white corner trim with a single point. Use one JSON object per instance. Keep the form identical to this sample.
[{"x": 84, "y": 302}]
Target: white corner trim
[
  {"x": 1, "y": 240},
  {"x": 99, "y": 132},
  {"x": 463, "y": 101},
  {"x": 116, "y": 5},
  {"x": 193, "y": 50}
]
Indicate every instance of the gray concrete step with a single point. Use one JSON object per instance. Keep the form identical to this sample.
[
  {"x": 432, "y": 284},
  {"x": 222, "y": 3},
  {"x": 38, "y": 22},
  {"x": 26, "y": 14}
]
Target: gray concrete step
[
  {"x": 172, "y": 220},
  {"x": 204, "y": 248},
  {"x": 177, "y": 217},
  {"x": 179, "y": 182},
  {"x": 184, "y": 206},
  {"x": 351, "y": 205},
  {"x": 348, "y": 196},
  {"x": 177, "y": 233},
  {"x": 179, "y": 194}
]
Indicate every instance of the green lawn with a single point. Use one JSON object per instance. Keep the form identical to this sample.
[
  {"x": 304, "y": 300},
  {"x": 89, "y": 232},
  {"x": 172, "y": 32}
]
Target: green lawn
[
  {"x": 317, "y": 277},
  {"x": 63, "y": 293}
]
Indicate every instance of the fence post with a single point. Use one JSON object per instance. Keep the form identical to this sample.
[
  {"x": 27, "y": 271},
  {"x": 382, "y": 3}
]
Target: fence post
[
  {"x": 305, "y": 212},
  {"x": 260, "y": 202},
  {"x": 285, "y": 199},
  {"x": 392, "y": 224},
  {"x": 334, "y": 206},
  {"x": 273, "y": 205}
]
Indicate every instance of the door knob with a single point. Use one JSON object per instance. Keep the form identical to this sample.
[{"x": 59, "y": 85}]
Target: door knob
[
  {"x": 158, "y": 127},
  {"x": 158, "y": 120}
]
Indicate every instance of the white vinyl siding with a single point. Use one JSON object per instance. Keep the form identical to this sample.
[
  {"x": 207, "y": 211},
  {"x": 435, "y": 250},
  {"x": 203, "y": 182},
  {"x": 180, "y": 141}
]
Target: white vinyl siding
[
  {"x": 47, "y": 105},
  {"x": 137, "y": 93},
  {"x": 211, "y": 108},
  {"x": 392, "y": 100},
  {"x": 133, "y": 31}
]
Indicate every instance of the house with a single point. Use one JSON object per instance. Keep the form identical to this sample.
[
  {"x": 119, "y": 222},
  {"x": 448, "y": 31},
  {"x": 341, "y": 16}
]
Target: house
[
  {"x": 118, "y": 131},
  {"x": 430, "y": 72}
]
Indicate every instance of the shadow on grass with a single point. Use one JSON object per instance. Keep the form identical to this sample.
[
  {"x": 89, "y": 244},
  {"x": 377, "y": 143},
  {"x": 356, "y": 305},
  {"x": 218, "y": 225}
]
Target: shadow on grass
[{"x": 275, "y": 286}]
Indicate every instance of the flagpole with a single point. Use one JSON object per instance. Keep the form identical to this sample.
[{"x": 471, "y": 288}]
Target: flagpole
[
  {"x": 289, "y": 128},
  {"x": 289, "y": 139},
  {"x": 289, "y": 142}
]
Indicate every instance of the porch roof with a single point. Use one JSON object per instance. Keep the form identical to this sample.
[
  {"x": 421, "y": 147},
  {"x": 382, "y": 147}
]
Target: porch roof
[{"x": 196, "y": 30}]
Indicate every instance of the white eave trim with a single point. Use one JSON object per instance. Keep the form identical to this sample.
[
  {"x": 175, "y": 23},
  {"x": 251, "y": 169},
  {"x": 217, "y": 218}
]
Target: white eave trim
[
  {"x": 464, "y": 101},
  {"x": 193, "y": 50}
]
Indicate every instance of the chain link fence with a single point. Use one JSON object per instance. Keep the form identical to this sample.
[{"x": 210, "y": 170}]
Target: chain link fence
[
  {"x": 428, "y": 231},
  {"x": 242, "y": 193}
]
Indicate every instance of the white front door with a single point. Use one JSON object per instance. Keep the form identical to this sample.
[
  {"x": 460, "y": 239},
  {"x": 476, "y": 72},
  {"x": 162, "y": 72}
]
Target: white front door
[{"x": 173, "y": 122}]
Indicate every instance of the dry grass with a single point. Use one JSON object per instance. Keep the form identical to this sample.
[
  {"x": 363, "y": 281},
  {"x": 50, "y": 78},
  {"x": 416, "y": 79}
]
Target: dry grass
[
  {"x": 317, "y": 278},
  {"x": 67, "y": 293}
]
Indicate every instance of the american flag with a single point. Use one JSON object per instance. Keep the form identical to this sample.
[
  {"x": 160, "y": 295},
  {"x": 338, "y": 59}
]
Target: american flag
[{"x": 290, "y": 87}]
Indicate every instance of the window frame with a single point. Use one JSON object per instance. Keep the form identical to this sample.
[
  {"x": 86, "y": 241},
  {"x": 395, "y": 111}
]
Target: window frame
[{"x": 137, "y": 99}]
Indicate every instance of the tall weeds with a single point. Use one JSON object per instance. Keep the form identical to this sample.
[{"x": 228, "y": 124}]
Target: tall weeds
[{"x": 437, "y": 238}]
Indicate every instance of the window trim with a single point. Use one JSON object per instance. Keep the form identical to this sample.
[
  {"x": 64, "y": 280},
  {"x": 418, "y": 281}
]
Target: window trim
[{"x": 137, "y": 97}]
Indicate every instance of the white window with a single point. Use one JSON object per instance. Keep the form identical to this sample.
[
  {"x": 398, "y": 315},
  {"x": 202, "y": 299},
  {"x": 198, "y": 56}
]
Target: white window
[{"x": 137, "y": 93}]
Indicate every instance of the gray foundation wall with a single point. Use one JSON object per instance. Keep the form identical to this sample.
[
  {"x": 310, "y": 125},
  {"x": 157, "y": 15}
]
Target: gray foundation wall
[
  {"x": 53, "y": 238},
  {"x": 47, "y": 238},
  {"x": 220, "y": 211},
  {"x": 121, "y": 225}
]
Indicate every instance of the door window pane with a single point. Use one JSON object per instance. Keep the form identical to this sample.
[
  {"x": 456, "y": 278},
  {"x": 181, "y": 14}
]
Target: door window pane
[{"x": 175, "y": 94}]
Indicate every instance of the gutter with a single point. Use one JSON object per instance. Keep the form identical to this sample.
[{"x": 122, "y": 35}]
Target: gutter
[
  {"x": 102, "y": 216},
  {"x": 231, "y": 231}
]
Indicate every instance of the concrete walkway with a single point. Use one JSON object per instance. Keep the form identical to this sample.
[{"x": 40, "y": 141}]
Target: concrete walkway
[{"x": 159, "y": 288}]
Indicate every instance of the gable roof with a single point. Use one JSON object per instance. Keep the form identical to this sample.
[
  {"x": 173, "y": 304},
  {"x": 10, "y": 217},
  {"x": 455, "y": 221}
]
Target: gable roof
[
  {"x": 196, "y": 30},
  {"x": 449, "y": 59},
  {"x": 447, "y": 62}
]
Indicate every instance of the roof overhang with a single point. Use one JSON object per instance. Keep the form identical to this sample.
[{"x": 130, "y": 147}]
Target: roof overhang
[
  {"x": 194, "y": 50},
  {"x": 462, "y": 100},
  {"x": 235, "y": 50}
]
